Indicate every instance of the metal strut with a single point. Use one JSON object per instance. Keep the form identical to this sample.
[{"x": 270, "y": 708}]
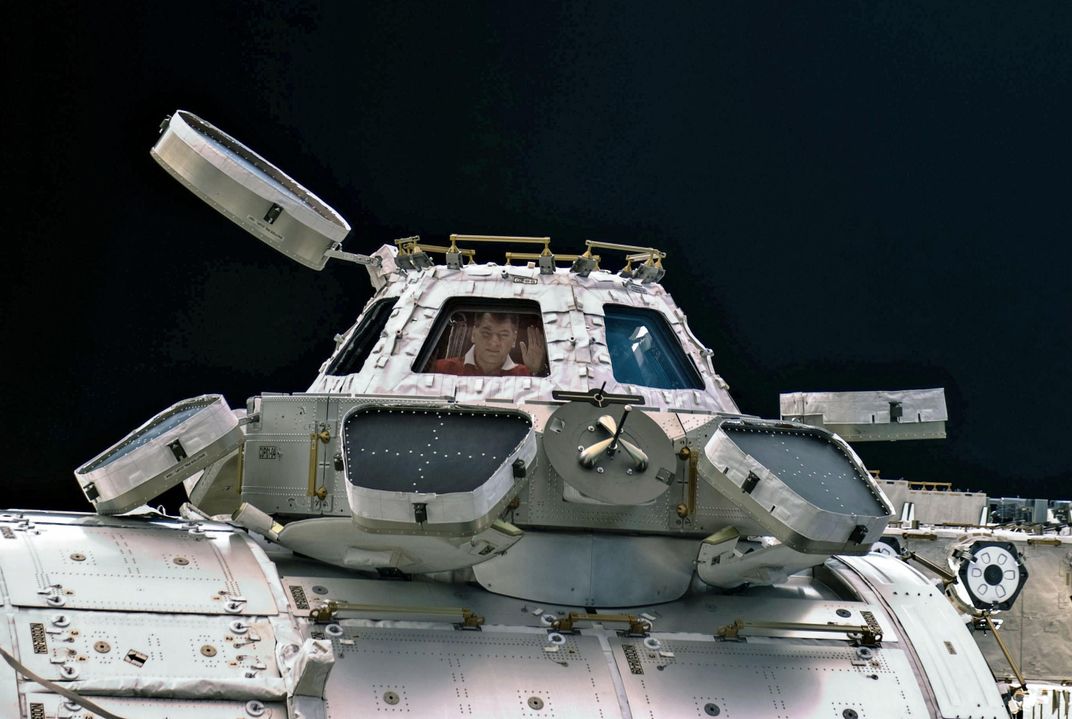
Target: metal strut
[{"x": 1005, "y": 651}]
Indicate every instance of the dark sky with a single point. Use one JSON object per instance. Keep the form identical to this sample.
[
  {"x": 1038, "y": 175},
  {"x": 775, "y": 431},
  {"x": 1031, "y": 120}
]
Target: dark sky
[{"x": 852, "y": 196}]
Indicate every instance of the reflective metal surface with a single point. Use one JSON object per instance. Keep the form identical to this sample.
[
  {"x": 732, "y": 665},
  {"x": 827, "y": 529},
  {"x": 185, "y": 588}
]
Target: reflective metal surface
[{"x": 248, "y": 190}]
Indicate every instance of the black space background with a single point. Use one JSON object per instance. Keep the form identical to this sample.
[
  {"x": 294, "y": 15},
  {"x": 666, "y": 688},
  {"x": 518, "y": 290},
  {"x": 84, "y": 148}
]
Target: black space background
[{"x": 852, "y": 196}]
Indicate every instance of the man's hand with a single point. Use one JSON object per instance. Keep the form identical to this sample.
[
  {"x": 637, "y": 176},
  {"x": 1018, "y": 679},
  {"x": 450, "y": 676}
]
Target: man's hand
[{"x": 533, "y": 352}]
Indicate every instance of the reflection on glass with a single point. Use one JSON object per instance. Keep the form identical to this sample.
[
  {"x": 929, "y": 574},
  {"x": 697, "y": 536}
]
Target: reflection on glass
[
  {"x": 644, "y": 350},
  {"x": 490, "y": 344}
]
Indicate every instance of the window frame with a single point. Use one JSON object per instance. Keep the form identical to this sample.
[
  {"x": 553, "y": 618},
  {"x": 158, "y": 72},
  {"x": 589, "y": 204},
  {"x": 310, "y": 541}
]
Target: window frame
[
  {"x": 663, "y": 333},
  {"x": 370, "y": 319},
  {"x": 441, "y": 323}
]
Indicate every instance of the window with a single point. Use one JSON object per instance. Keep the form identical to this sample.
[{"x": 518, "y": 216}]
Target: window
[
  {"x": 644, "y": 350},
  {"x": 490, "y": 338},
  {"x": 363, "y": 339}
]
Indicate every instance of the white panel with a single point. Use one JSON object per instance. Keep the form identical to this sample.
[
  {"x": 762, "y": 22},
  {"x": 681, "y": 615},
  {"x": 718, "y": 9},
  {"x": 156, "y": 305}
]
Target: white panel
[
  {"x": 732, "y": 680},
  {"x": 958, "y": 674},
  {"x": 144, "y": 568},
  {"x": 871, "y": 416},
  {"x": 9, "y": 690},
  {"x": 591, "y": 569},
  {"x": 106, "y": 645},
  {"x": 55, "y": 707},
  {"x": 917, "y": 405},
  {"x": 416, "y": 673}
]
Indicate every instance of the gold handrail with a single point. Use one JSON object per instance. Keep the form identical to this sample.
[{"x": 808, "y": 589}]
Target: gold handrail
[
  {"x": 869, "y": 634},
  {"x": 330, "y": 610},
  {"x": 638, "y": 626}
]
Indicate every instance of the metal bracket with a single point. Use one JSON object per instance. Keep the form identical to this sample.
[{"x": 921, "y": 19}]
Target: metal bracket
[
  {"x": 365, "y": 260},
  {"x": 749, "y": 484}
]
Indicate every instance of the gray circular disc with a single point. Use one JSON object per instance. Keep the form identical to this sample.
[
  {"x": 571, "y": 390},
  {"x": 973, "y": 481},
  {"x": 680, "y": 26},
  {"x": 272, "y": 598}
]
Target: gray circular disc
[{"x": 613, "y": 478}]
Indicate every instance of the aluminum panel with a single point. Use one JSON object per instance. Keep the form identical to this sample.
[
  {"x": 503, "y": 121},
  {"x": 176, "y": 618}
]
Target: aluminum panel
[
  {"x": 591, "y": 569},
  {"x": 52, "y": 706},
  {"x": 871, "y": 416},
  {"x": 9, "y": 689},
  {"x": 478, "y": 674},
  {"x": 686, "y": 678},
  {"x": 106, "y": 645},
  {"x": 957, "y": 672},
  {"x": 143, "y": 568},
  {"x": 1036, "y": 629},
  {"x": 875, "y": 407}
]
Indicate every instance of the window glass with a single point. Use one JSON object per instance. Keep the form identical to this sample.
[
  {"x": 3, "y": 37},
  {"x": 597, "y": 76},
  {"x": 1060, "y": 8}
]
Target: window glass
[
  {"x": 644, "y": 350},
  {"x": 364, "y": 338},
  {"x": 490, "y": 338}
]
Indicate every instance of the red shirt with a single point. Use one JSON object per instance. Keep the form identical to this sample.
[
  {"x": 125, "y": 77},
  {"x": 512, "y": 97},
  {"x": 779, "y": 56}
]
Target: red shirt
[{"x": 458, "y": 366}]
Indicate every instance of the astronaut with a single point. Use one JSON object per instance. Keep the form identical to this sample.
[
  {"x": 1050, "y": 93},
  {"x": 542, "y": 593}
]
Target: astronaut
[{"x": 494, "y": 336}]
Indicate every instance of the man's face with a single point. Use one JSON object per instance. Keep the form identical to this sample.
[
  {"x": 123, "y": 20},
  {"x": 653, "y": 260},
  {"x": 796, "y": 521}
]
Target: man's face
[{"x": 492, "y": 341}]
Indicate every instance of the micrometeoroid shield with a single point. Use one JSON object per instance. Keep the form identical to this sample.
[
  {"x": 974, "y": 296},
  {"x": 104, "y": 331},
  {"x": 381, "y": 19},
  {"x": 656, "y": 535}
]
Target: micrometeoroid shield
[
  {"x": 434, "y": 469},
  {"x": 802, "y": 484},
  {"x": 247, "y": 189}
]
